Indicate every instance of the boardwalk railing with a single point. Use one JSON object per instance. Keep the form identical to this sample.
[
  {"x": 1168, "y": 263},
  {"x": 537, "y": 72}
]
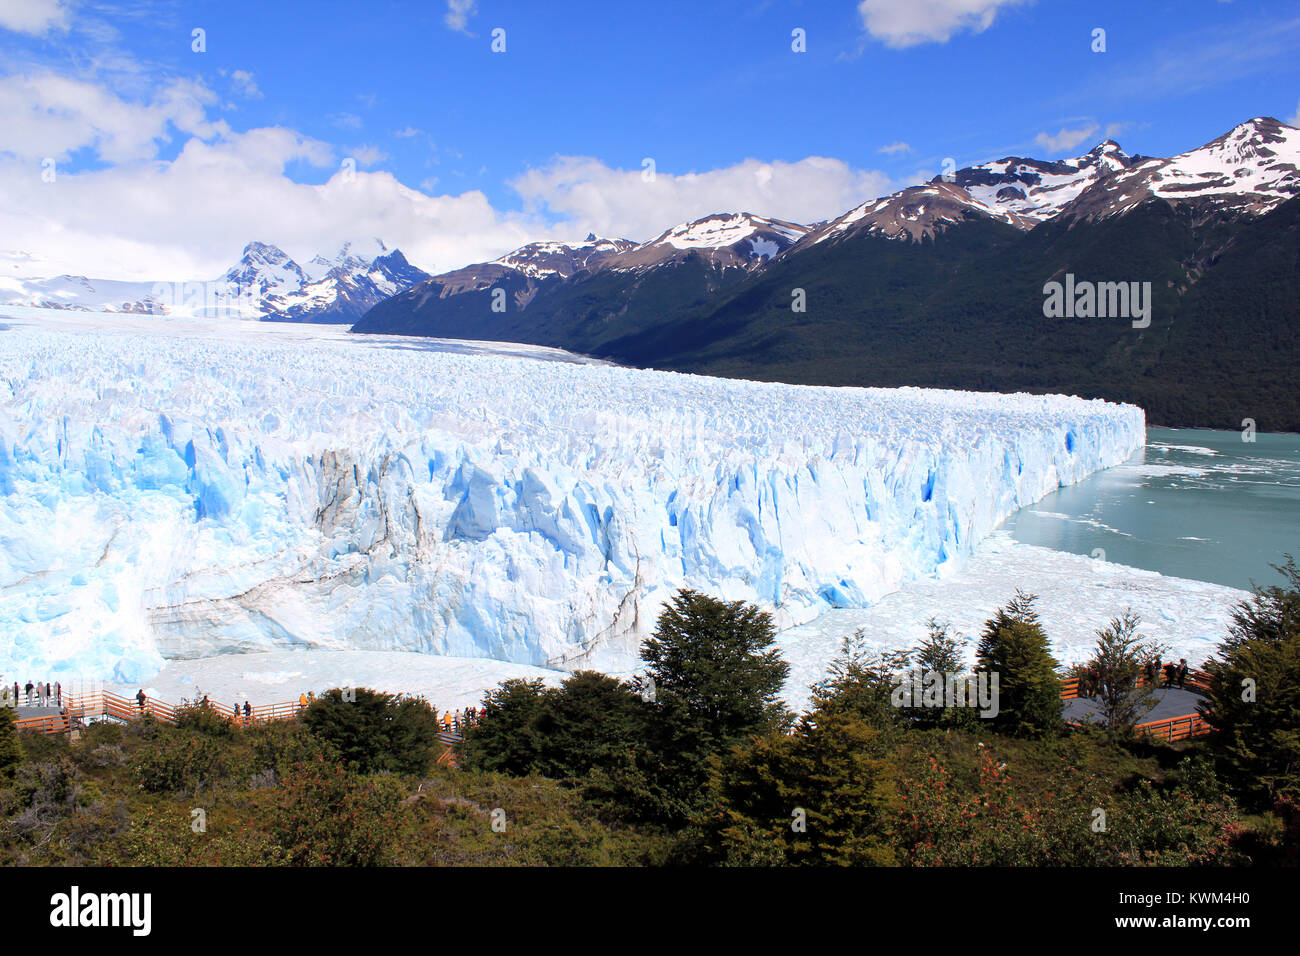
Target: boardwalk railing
[
  {"x": 105, "y": 705},
  {"x": 1196, "y": 680},
  {"x": 1175, "y": 728},
  {"x": 1171, "y": 729}
]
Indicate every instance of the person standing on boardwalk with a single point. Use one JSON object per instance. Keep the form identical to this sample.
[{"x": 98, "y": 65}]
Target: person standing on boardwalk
[
  {"x": 140, "y": 699},
  {"x": 1182, "y": 673},
  {"x": 248, "y": 711}
]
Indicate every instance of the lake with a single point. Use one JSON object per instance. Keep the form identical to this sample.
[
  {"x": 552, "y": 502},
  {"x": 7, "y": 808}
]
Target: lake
[{"x": 1205, "y": 505}]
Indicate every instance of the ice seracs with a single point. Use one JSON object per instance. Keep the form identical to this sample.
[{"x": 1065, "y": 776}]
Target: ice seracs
[{"x": 181, "y": 490}]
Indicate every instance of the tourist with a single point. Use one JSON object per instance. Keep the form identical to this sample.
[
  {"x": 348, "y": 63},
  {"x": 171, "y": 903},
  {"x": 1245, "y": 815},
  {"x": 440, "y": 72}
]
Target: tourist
[
  {"x": 140, "y": 699},
  {"x": 1171, "y": 671},
  {"x": 1182, "y": 673},
  {"x": 248, "y": 711},
  {"x": 28, "y": 688}
]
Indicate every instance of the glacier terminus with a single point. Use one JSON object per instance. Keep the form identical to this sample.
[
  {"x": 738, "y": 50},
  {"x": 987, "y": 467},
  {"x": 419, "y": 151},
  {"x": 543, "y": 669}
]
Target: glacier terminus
[{"x": 177, "y": 489}]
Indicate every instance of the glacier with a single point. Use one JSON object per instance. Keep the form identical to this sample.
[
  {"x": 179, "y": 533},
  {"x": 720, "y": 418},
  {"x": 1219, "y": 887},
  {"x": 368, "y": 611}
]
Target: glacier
[{"x": 175, "y": 489}]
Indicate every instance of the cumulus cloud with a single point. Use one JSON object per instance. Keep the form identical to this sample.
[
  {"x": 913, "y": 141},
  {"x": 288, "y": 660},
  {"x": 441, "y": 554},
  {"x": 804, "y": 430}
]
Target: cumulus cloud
[
  {"x": 47, "y": 115},
  {"x": 139, "y": 216},
  {"x": 1065, "y": 139},
  {"x": 458, "y": 14},
  {"x": 592, "y": 197},
  {"x": 905, "y": 23},
  {"x": 189, "y": 218},
  {"x": 133, "y": 212},
  {"x": 37, "y": 17}
]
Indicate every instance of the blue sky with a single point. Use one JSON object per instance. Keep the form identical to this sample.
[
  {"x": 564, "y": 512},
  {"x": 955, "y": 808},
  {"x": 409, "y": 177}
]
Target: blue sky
[{"x": 460, "y": 152}]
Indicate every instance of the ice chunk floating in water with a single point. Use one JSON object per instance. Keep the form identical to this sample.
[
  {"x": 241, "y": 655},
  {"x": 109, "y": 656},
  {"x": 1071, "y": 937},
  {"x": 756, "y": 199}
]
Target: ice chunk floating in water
[{"x": 184, "y": 492}]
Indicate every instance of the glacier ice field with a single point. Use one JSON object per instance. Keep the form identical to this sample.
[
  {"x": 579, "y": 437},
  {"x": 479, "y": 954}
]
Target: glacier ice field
[{"x": 170, "y": 489}]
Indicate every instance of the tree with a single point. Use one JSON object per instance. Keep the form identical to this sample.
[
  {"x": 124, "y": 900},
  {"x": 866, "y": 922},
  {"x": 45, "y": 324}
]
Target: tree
[
  {"x": 506, "y": 739},
  {"x": 1254, "y": 699},
  {"x": 940, "y": 649},
  {"x": 824, "y": 795},
  {"x": 943, "y": 652},
  {"x": 371, "y": 731},
  {"x": 1014, "y": 647},
  {"x": 1116, "y": 669},
  {"x": 716, "y": 659},
  {"x": 860, "y": 682},
  {"x": 591, "y": 720}
]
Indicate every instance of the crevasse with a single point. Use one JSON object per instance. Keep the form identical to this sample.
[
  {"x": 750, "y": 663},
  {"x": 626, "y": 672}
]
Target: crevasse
[{"x": 164, "y": 496}]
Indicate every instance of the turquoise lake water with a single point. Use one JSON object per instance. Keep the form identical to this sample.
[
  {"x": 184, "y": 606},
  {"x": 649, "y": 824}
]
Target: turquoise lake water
[{"x": 1205, "y": 505}]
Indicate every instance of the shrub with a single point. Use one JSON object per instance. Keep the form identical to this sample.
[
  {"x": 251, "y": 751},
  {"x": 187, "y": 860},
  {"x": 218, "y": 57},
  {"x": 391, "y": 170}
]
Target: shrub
[
  {"x": 371, "y": 731},
  {"x": 328, "y": 816}
]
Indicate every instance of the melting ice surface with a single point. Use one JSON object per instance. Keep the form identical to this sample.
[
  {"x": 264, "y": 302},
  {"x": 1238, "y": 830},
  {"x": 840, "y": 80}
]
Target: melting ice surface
[{"x": 175, "y": 489}]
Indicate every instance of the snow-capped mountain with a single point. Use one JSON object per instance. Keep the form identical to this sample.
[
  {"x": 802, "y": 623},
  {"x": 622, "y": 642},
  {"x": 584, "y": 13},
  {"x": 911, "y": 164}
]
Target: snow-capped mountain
[
  {"x": 1036, "y": 190},
  {"x": 942, "y": 284},
  {"x": 264, "y": 284},
  {"x": 82, "y": 293},
  {"x": 722, "y": 239},
  {"x": 347, "y": 289},
  {"x": 536, "y": 261},
  {"x": 544, "y": 259},
  {"x": 1248, "y": 171},
  {"x": 913, "y": 213}
]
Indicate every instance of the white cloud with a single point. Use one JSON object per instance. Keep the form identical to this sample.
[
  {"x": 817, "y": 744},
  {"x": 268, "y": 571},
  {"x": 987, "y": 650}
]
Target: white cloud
[
  {"x": 245, "y": 85},
  {"x": 146, "y": 218},
  {"x": 190, "y": 218},
  {"x": 407, "y": 132},
  {"x": 346, "y": 120},
  {"x": 134, "y": 214},
  {"x": 368, "y": 155},
  {"x": 893, "y": 149},
  {"x": 47, "y": 115},
  {"x": 459, "y": 12},
  {"x": 1065, "y": 139},
  {"x": 33, "y": 16},
  {"x": 592, "y": 197},
  {"x": 1294, "y": 119},
  {"x": 904, "y": 23}
]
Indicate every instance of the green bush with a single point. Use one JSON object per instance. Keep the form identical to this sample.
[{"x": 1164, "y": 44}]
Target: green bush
[
  {"x": 371, "y": 731},
  {"x": 328, "y": 816}
]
